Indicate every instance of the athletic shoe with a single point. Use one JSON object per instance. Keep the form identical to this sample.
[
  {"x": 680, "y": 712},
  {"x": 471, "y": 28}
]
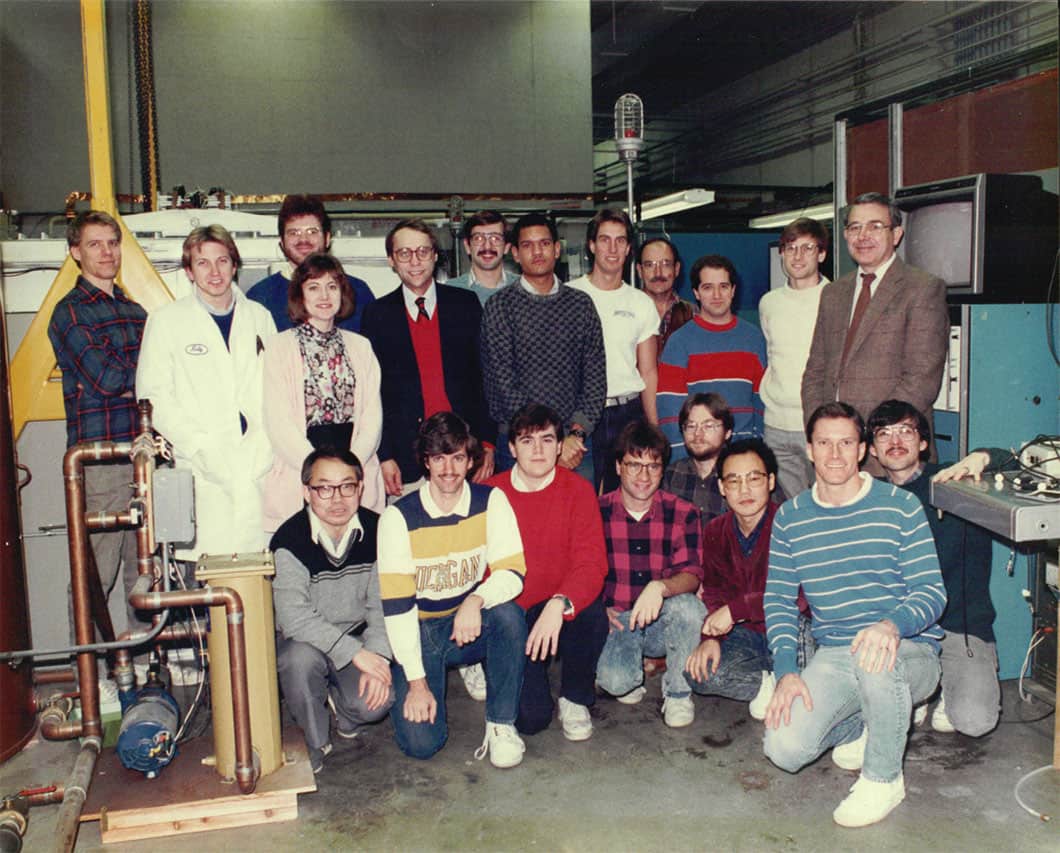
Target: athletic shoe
[
  {"x": 940, "y": 720},
  {"x": 851, "y": 755},
  {"x": 475, "y": 681},
  {"x": 920, "y": 714},
  {"x": 760, "y": 703},
  {"x": 678, "y": 711},
  {"x": 503, "y": 744},
  {"x": 869, "y": 802},
  {"x": 317, "y": 756},
  {"x": 575, "y": 720},
  {"x": 634, "y": 696}
]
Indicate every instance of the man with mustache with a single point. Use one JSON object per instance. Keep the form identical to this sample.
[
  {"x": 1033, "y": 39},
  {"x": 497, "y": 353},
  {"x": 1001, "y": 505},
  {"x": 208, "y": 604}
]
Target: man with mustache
[
  {"x": 659, "y": 266},
  {"x": 486, "y": 242}
]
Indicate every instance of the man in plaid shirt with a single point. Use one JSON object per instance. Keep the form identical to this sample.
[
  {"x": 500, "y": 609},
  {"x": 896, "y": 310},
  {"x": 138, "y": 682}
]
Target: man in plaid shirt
[
  {"x": 654, "y": 569},
  {"x": 95, "y": 331}
]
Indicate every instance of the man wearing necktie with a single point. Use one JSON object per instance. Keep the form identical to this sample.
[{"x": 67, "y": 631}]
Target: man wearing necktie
[
  {"x": 426, "y": 337},
  {"x": 882, "y": 330}
]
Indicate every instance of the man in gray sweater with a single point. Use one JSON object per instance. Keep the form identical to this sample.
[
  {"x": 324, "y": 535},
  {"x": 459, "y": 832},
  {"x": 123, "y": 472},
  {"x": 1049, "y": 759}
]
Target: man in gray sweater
[{"x": 331, "y": 643}]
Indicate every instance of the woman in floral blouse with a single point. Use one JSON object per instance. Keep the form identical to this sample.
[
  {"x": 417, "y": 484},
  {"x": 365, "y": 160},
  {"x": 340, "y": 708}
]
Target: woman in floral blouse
[{"x": 321, "y": 389}]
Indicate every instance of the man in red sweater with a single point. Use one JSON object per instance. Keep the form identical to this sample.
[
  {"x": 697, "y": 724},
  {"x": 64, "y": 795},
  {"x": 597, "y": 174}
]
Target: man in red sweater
[
  {"x": 566, "y": 563},
  {"x": 733, "y": 658}
]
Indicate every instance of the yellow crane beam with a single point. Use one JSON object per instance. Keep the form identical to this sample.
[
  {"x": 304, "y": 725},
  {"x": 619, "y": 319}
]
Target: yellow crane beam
[{"x": 36, "y": 392}]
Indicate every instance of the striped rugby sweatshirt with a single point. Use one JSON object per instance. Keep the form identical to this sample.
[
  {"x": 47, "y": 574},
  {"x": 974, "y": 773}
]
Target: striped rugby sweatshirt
[{"x": 870, "y": 560}]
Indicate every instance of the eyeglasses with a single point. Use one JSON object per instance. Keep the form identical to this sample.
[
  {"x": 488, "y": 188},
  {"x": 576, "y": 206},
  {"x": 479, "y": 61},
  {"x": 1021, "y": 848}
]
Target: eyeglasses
[
  {"x": 492, "y": 238},
  {"x": 423, "y": 253},
  {"x": 753, "y": 479},
  {"x": 295, "y": 233},
  {"x": 803, "y": 249},
  {"x": 873, "y": 229},
  {"x": 636, "y": 468},
  {"x": 708, "y": 426},
  {"x": 657, "y": 265},
  {"x": 326, "y": 492},
  {"x": 906, "y": 432}
]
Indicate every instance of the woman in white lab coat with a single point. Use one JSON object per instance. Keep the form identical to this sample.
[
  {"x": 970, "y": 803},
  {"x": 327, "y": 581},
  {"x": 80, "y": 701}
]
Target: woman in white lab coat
[
  {"x": 201, "y": 368},
  {"x": 321, "y": 389}
]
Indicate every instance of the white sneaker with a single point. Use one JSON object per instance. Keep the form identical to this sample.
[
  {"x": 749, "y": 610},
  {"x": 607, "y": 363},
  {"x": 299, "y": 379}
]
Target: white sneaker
[
  {"x": 634, "y": 696},
  {"x": 575, "y": 720},
  {"x": 920, "y": 714},
  {"x": 475, "y": 681},
  {"x": 850, "y": 756},
  {"x": 678, "y": 712},
  {"x": 503, "y": 744},
  {"x": 869, "y": 802},
  {"x": 940, "y": 720},
  {"x": 760, "y": 703}
]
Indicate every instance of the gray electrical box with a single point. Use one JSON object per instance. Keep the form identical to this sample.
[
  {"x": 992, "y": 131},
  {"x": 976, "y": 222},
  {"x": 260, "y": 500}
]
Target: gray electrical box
[{"x": 174, "y": 505}]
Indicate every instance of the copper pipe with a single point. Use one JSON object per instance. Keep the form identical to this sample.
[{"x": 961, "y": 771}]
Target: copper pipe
[
  {"x": 54, "y": 719},
  {"x": 65, "y": 675},
  {"x": 74, "y": 794},
  {"x": 109, "y": 520},
  {"x": 215, "y": 596},
  {"x": 44, "y": 796},
  {"x": 77, "y": 529}
]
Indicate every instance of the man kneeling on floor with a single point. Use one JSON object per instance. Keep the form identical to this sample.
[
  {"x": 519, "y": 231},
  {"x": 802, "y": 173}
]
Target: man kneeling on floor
[
  {"x": 331, "y": 644},
  {"x": 450, "y": 566},
  {"x": 565, "y": 568},
  {"x": 654, "y": 569},
  {"x": 864, "y": 555},
  {"x": 733, "y": 658}
]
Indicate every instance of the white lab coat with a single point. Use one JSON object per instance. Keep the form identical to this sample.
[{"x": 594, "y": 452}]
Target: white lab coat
[{"x": 198, "y": 388}]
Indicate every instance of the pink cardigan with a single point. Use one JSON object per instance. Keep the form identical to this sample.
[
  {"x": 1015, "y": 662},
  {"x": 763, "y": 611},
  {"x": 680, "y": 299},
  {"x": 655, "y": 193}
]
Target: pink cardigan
[{"x": 284, "y": 401}]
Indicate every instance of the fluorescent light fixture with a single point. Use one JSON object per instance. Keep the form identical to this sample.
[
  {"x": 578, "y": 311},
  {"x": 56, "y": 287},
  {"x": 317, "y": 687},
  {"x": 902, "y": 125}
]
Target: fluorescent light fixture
[
  {"x": 779, "y": 220},
  {"x": 675, "y": 203}
]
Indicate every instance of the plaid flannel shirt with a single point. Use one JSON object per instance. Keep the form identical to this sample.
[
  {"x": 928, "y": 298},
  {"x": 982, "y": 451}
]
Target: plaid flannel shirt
[
  {"x": 666, "y": 541},
  {"x": 682, "y": 479},
  {"x": 96, "y": 339}
]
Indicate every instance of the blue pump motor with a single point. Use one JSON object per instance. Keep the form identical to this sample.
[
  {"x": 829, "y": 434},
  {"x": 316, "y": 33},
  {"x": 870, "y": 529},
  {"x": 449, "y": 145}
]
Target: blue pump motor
[{"x": 147, "y": 738}]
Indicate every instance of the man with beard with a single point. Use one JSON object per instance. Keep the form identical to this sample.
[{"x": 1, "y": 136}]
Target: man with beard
[
  {"x": 486, "y": 242},
  {"x": 706, "y": 426},
  {"x": 659, "y": 266},
  {"x": 305, "y": 229}
]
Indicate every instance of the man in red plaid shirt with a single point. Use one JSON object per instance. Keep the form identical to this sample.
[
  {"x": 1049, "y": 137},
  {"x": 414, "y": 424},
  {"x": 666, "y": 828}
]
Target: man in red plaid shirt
[
  {"x": 95, "y": 331},
  {"x": 654, "y": 569}
]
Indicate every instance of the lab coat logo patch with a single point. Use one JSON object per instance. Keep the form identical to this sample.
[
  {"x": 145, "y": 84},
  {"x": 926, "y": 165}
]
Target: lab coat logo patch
[{"x": 196, "y": 349}]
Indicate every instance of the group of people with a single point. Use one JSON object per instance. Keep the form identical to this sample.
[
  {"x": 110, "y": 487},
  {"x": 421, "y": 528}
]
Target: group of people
[{"x": 503, "y": 471}]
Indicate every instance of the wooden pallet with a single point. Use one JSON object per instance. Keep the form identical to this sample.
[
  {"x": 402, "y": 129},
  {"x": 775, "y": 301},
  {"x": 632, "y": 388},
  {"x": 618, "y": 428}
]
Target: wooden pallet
[{"x": 189, "y": 796}]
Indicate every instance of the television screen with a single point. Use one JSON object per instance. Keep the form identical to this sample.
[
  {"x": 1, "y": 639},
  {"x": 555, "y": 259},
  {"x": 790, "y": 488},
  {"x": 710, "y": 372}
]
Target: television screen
[{"x": 938, "y": 238}]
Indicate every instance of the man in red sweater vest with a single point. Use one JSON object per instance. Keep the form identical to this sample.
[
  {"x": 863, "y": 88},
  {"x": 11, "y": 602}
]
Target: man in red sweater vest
[
  {"x": 733, "y": 658},
  {"x": 566, "y": 563}
]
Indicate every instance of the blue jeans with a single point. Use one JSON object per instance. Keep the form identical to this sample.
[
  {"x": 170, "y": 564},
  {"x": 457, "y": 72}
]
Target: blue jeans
[
  {"x": 612, "y": 421},
  {"x": 501, "y": 649},
  {"x": 847, "y": 699},
  {"x": 744, "y": 654},
  {"x": 674, "y": 635},
  {"x": 580, "y": 642}
]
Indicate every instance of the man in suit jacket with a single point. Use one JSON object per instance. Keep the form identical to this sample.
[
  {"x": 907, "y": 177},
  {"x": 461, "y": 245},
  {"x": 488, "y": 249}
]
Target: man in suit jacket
[
  {"x": 426, "y": 337},
  {"x": 881, "y": 331}
]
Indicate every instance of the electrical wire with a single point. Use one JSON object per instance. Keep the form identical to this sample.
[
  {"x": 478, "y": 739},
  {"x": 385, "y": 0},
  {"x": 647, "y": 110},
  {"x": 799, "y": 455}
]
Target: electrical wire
[
  {"x": 202, "y": 659},
  {"x": 1037, "y": 638},
  {"x": 1019, "y": 800}
]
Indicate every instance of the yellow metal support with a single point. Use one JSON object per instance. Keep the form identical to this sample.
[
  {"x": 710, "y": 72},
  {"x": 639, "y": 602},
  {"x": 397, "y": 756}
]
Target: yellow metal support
[{"x": 36, "y": 393}]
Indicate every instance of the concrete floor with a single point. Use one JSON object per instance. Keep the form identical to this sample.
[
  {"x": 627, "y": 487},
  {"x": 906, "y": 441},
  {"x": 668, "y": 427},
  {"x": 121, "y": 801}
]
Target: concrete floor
[{"x": 636, "y": 785}]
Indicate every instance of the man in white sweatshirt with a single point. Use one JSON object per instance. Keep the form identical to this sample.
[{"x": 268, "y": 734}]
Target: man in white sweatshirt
[{"x": 787, "y": 316}]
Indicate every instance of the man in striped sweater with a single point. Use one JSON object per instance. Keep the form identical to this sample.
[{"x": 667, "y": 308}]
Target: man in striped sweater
[
  {"x": 863, "y": 553},
  {"x": 450, "y": 567},
  {"x": 717, "y": 352}
]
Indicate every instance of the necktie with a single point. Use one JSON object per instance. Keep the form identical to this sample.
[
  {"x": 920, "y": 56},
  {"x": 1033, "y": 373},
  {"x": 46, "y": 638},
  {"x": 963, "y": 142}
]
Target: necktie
[
  {"x": 422, "y": 315},
  {"x": 864, "y": 297}
]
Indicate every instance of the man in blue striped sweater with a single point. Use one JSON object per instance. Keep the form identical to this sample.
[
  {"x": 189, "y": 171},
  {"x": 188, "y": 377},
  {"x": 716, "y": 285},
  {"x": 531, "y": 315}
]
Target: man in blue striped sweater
[{"x": 863, "y": 552}]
